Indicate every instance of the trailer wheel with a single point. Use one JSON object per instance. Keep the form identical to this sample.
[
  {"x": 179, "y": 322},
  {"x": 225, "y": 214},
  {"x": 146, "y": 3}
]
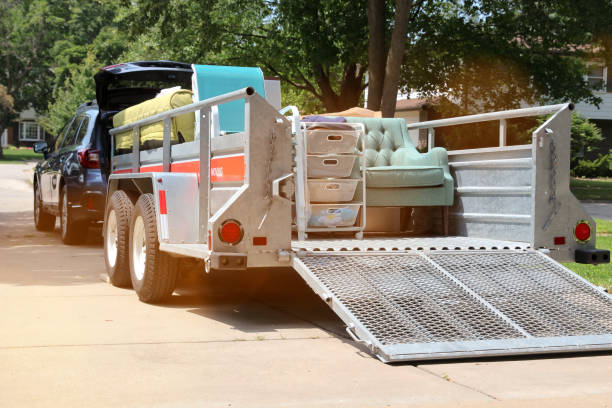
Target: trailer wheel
[
  {"x": 116, "y": 238},
  {"x": 42, "y": 220},
  {"x": 153, "y": 272}
]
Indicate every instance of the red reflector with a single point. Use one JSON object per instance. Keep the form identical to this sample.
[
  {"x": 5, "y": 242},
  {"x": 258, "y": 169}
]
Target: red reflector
[
  {"x": 260, "y": 241},
  {"x": 162, "y": 202},
  {"x": 230, "y": 232},
  {"x": 559, "y": 240},
  {"x": 90, "y": 203},
  {"x": 209, "y": 240},
  {"x": 582, "y": 231}
]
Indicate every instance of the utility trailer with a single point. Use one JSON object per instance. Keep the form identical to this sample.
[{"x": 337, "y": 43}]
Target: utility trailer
[{"x": 494, "y": 287}]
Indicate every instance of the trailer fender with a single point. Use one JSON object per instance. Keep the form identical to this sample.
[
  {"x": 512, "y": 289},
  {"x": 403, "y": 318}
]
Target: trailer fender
[{"x": 176, "y": 201}]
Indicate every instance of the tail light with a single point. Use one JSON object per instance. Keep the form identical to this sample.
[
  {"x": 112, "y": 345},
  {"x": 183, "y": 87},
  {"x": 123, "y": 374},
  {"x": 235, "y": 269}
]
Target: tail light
[
  {"x": 582, "y": 231},
  {"x": 89, "y": 158},
  {"x": 231, "y": 232}
]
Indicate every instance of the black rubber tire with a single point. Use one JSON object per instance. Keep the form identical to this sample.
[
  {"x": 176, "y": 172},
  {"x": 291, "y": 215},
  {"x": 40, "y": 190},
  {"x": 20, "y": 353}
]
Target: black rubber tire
[
  {"x": 160, "y": 269},
  {"x": 72, "y": 232},
  {"x": 43, "y": 221},
  {"x": 119, "y": 273}
]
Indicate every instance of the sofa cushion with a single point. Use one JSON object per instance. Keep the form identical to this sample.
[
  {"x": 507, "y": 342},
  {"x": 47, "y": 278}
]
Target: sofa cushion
[
  {"x": 383, "y": 137},
  {"x": 404, "y": 176}
]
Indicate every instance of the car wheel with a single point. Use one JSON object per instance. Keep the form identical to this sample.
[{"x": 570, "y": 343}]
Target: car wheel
[
  {"x": 116, "y": 238},
  {"x": 153, "y": 272},
  {"x": 42, "y": 221},
  {"x": 71, "y": 231}
]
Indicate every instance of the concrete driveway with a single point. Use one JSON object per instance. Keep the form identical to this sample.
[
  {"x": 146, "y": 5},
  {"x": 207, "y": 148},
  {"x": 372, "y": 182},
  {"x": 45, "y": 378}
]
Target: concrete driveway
[{"x": 255, "y": 339}]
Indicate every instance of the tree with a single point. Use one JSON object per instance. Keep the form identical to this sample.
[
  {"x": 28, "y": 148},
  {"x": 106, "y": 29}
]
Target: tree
[
  {"x": 26, "y": 33},
  {"x": 74, "y": 82},
  {"x": 6, "y": 105},
  {"x": 317, "y": 46},
  {"x": 43, "y": 44},
  {"x": 90, "y": 40},
  {"x": 497, "y": 54},
  {"x": 585, "y": 161},
  {"x": 385, "y": 61}
]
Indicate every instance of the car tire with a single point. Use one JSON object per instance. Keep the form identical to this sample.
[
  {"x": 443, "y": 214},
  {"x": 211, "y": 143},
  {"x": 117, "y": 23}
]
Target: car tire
[
  {"x": 116, "y": 238},
  {"x": 153, "y": 272},
  {"x": 43, "y": 221},
  {"x": 72, "y": 232}
]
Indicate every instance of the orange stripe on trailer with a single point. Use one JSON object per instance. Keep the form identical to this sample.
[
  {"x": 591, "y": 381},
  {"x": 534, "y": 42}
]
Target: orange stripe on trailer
[
  {"x": 223, "y": 168},
  {"x": 186, "y": 167},
  {"x": 227, "y": 168}
]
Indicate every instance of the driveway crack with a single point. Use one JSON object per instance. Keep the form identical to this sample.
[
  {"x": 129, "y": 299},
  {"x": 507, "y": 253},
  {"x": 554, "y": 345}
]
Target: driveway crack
[{"x": 447, "y": 378}]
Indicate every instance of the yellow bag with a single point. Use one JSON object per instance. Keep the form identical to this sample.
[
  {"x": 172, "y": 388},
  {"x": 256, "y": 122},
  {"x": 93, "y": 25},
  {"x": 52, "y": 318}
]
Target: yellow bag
[{"x": 183, "y": 124}]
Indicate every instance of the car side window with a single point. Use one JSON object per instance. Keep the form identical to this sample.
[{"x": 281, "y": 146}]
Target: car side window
[
  {"x": 70, "y": 134},
  {"x": 74, "y": 139},
  {"x": 82, "y": 131},
  {"x": 60, "y": 136}
]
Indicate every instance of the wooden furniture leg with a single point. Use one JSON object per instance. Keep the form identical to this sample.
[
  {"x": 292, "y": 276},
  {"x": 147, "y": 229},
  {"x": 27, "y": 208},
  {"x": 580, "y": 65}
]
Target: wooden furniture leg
[{"x": 445, "y": 211}]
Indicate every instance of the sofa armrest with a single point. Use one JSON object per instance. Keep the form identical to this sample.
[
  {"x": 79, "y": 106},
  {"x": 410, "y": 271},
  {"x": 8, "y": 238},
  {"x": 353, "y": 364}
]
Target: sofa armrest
[{"x": 405, "y": 156}]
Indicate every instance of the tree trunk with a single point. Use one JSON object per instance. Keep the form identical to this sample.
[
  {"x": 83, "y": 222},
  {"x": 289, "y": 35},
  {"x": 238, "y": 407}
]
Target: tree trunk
[
  {"x": 395, "y": 57},
  {"x": 350, "y": 88},
  {"x": 1, "y": 132},
  {"x": 376, "y": 52}
]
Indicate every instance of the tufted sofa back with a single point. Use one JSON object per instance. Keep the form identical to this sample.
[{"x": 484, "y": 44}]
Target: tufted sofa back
[{"x": 383, "y": 137}]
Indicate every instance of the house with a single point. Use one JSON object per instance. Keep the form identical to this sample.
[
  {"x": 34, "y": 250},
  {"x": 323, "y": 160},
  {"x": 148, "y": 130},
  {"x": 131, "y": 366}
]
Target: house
[
  {"x": 24, "y": 131},
  {"x": 600, "y": 78},
  {"x": 412, "y": 111}
]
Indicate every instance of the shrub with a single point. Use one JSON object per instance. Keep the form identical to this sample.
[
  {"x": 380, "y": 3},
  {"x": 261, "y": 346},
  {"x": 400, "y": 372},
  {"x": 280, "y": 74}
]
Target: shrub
[{"x": 586, "y": 137}]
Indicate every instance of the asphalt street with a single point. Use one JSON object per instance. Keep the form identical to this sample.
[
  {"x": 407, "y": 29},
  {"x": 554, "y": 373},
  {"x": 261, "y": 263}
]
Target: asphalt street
[{"x": 251, "y": 339}]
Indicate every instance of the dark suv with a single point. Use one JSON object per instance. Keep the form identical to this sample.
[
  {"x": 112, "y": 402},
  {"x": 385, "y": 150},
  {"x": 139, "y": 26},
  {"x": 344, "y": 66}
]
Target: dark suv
[{"x": 71, "y": 182}]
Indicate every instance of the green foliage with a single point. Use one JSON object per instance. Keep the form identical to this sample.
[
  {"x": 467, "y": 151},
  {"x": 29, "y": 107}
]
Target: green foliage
[
  {"x": 586, "y": 137},
  {"x": 490, "y": 55},
  {"x": 19, "y": 155},
  {"x": 598, "y": 167},
  {"x": 319, "y": 47},
  {"x": 78, "y": 87},
  {"x": 88, "y": 44},
  {"x": 590, "y": 189}
]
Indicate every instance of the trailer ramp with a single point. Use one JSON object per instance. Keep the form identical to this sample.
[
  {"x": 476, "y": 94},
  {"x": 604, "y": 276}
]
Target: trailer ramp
[{"x": 422, "y": 305}]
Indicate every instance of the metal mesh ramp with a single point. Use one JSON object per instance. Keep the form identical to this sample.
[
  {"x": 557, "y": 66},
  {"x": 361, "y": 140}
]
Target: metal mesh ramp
[{"x": 449, "y": 304}]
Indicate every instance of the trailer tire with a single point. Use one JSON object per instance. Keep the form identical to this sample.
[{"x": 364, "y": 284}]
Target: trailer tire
[
  {"x": 116, "y": 238},
  {"x": 153, "y": 272}
]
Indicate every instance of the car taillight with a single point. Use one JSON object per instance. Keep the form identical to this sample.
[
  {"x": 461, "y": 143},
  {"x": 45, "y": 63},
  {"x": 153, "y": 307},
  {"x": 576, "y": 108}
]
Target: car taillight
[
  {"x": 582, "y": 231},
  {"x": 231, "y": 232},
  {"x": 89, "y": 158}
]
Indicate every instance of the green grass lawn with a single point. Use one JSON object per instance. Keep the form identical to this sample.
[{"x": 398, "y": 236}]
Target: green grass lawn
[
  {"x": 18, "y": 155},
  {"x": 600, "y": 275},
  {"x": 592, "y": 189}
]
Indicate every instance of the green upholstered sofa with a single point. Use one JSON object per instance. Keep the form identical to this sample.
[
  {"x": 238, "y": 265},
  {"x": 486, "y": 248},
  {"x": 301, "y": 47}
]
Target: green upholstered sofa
[{"x": 397, "y": 174}]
